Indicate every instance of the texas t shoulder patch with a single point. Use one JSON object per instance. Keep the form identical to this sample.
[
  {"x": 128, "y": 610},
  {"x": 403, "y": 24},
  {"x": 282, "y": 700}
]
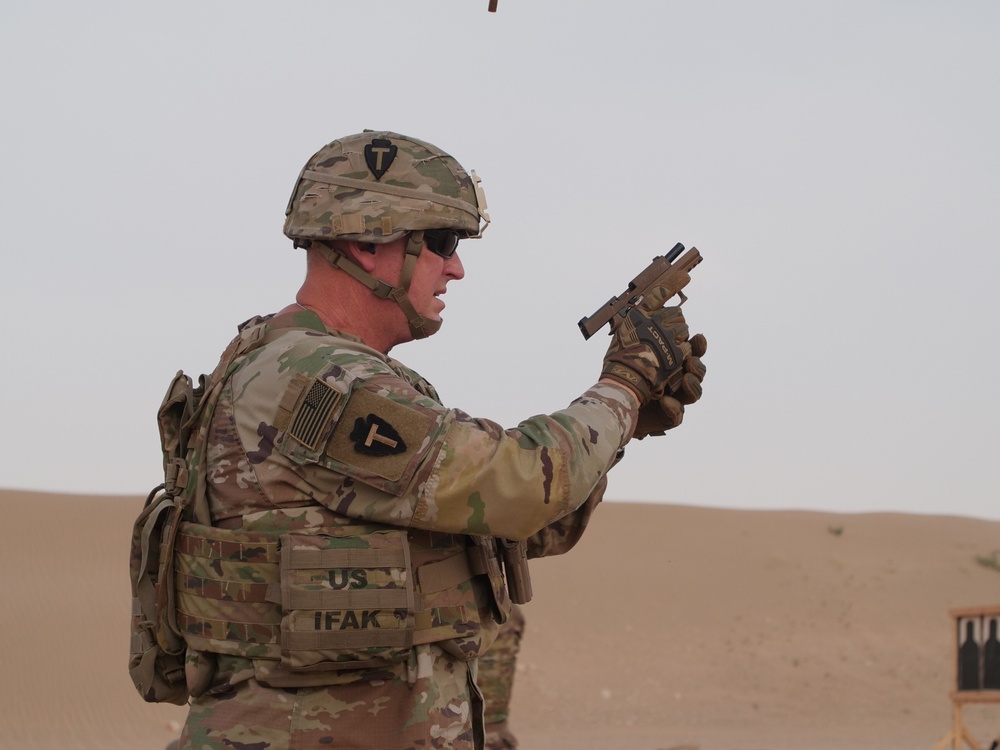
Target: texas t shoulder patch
[{"x": 378, "y": 435}]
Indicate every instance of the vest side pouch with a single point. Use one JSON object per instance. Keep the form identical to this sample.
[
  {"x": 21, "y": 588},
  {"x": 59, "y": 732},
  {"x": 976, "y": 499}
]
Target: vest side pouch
[
  {"x": 348, "y": 601},
  {"x": 157, "y": 670}
]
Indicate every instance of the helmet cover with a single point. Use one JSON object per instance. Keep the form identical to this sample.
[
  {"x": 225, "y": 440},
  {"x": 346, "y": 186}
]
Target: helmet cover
[{"x": 377, "y": 186}]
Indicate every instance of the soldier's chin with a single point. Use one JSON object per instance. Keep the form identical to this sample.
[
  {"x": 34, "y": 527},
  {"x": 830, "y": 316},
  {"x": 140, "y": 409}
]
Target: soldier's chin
[
  {"x": 435, "y": 318},
  {"x": 435, "y": 313}
]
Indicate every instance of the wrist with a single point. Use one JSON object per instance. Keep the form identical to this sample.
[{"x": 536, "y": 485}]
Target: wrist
[{"x": 627, "y": 387}]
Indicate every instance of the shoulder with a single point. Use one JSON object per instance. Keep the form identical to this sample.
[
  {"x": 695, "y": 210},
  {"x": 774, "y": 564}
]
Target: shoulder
[
  {"x": 359, "y": 417},
  {"x": 291, "y": 352}
]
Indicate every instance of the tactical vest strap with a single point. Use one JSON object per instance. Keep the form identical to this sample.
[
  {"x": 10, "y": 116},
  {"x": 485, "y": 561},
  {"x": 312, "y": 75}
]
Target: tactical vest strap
[
  {"x": 341, "y": 600},
  {"x": 224, "y": 544},
  {"x": 444, "y": 574},
  {"x": 303, "y": 559},
  {"x": 315, "y": 640},
  {"x": 321, "y": 562}
]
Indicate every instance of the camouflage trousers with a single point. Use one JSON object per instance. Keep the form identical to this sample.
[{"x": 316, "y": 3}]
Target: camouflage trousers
[
  {"x": 438, "y": 707},
  {"x": 496, "y": 680}
]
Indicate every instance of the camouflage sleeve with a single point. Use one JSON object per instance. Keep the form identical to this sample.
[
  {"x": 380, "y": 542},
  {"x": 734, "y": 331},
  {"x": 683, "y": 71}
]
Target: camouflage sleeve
[
  {"x": 311, "y": 419},
  {"x": 562, "y": 535},
  {"x": 512, "y": 483},
  {"x": 393, "y": 455}
]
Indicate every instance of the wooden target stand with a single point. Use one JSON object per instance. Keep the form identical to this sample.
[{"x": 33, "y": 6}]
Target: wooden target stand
[{"x": 977, "y": 670}]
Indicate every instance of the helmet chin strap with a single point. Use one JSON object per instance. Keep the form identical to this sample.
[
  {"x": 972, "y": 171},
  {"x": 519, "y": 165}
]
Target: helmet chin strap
[{"x": 419, "y": 326}]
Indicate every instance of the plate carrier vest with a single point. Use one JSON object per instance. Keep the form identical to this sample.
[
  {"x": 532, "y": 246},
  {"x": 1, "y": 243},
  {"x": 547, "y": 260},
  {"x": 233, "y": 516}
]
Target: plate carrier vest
[{"x": 321, "y": 605}]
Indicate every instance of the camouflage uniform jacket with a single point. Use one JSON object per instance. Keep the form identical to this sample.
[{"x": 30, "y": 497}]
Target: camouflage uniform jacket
[
  {"x": 314, "y": 427},
  {"x": 381, "y": 448}
]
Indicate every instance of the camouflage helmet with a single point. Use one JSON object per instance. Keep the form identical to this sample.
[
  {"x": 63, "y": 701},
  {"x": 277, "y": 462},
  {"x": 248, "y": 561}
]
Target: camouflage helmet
[{"x": 377, "y": 186}]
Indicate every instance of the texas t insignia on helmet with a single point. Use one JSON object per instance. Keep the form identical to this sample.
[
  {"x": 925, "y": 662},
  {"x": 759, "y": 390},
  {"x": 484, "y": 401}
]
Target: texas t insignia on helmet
[{"x": 377, "y": 187}]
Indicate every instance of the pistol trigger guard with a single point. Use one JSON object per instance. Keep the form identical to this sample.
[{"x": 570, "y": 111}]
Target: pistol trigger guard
[{"x": 683, "y": 298}]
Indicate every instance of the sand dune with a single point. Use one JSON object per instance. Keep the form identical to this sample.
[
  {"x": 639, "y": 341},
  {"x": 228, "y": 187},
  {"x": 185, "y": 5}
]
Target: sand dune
[{"x": 667, "y": 627}]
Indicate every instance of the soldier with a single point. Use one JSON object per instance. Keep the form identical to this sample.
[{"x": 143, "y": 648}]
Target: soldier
[{"x": 338, "y": 573}]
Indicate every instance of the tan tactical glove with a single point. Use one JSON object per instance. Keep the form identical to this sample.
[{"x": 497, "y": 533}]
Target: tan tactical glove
[
  {"x": 667, "y": 412},
  {"x": 645, "y": 352}
]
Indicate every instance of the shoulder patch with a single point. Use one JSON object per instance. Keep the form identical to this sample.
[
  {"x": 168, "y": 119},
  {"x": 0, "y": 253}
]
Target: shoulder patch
[
  {"x": 376, "y": 437},
  {"x": 379, "y": 435},
  {"x": 314, "y": 413}
]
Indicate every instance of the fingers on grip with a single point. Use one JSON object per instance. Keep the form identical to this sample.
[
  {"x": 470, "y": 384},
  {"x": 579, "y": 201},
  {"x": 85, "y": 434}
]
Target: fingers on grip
[
  {"x": 699, "y": 345},
  {"x": 690, "y": 389},
  {"x": 696, "y": 367},
  {"x": 658, "y": 416},
  {"x": 672, "y": 411}
]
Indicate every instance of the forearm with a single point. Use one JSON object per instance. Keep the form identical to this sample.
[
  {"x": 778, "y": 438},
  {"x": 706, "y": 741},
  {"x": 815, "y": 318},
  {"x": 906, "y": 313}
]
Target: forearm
[{"x": 514, "y": 483}]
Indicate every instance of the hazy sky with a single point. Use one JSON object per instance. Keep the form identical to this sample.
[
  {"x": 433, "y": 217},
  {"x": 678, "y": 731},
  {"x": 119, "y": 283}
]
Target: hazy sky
[{"x": 837, "y": 164}]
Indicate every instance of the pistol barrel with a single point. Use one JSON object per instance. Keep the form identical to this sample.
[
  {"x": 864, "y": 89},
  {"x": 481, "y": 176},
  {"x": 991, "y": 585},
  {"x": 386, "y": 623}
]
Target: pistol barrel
[{"x": 674, "y": 252}]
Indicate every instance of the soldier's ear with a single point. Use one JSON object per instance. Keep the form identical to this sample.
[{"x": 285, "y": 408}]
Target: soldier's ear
[{"x": 362, "y": 253}]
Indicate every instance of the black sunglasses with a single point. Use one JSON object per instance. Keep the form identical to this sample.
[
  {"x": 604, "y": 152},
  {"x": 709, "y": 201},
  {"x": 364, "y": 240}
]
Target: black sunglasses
[{"x": 443, "y": 242}]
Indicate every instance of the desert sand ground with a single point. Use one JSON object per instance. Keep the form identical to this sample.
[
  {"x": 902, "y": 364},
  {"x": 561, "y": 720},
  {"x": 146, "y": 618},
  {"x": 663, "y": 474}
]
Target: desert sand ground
[{"x": 668, "y": 627}]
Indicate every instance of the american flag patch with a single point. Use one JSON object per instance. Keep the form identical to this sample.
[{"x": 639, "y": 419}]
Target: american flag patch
[{"x": 313, "y": 414}]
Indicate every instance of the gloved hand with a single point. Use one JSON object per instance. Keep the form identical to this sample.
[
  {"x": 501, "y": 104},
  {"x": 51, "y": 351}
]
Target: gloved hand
[
  {"x": 645, "y": 352},
  {"x": 667, "y": 412}
]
